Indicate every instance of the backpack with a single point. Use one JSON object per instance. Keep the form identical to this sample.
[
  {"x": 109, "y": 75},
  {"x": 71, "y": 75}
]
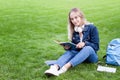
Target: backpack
[{"x": 113, "y": 52}]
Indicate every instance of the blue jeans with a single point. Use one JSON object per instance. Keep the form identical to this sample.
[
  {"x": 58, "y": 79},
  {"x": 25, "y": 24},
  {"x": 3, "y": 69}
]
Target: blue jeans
[{"x": 86, "y": 54}]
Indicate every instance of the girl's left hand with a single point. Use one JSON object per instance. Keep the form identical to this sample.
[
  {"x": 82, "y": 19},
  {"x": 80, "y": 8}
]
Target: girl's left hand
[
  {"x": 80, "y": 45},
  {"x": 66, "y": 47}
]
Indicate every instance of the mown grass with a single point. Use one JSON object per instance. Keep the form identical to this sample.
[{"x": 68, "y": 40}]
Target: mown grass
[{"x": 28, "y": 28}]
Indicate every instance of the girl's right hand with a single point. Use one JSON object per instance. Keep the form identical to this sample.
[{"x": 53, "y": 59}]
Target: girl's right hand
[{"x": 80, "y": 45}]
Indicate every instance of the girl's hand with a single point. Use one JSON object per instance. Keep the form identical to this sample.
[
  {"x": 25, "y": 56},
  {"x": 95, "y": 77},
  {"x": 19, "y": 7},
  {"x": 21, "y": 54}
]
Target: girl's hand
[
  {"x": 80, "y": 45},
  {"x": 66, "y": 47}
]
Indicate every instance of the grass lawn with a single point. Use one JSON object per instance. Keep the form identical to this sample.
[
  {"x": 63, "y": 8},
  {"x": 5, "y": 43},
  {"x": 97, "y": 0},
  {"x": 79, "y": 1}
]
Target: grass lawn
[{"x": 28, "y": 28}]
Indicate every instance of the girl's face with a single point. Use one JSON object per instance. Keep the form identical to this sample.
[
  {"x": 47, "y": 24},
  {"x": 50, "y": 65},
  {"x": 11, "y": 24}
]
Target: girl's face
[{"x": 75, "y": 19}]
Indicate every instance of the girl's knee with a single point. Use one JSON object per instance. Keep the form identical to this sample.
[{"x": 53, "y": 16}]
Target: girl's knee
[{"x": 88, "y": 48}]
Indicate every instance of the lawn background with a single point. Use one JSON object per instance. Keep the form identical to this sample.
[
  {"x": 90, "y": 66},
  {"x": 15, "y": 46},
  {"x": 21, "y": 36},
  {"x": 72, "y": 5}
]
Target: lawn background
[{"x": 28, "y": 28}]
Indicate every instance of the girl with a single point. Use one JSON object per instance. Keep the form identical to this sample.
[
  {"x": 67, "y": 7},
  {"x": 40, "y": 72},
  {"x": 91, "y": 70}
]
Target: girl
[{"x": 85, "y": 36}]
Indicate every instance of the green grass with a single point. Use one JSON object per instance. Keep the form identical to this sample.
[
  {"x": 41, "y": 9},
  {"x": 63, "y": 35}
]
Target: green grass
[{"x": 28, "y": 28}]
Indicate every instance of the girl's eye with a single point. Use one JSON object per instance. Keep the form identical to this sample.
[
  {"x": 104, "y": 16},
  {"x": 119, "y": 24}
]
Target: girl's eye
[{"x": 76, "y": 17}]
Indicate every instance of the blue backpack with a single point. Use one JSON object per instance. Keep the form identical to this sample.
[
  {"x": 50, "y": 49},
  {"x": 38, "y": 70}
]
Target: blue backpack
[{"x": 113, "y": 52}]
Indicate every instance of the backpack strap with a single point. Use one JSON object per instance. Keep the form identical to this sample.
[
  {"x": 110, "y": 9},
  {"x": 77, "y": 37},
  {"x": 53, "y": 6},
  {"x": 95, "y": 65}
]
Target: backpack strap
[{"x": 104, "y": 56}]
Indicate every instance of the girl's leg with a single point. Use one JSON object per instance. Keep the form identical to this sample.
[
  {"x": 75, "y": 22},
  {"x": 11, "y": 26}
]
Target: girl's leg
[
  {"x": 65, "y": 58},
  {"x": 60, "y": 62},
  {"x": 87, "y": 53},
  {"x": 64, "y": 68}
]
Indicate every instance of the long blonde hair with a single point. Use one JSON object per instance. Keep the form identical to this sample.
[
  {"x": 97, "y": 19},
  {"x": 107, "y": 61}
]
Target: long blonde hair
[{"x": 70, "y": 24}]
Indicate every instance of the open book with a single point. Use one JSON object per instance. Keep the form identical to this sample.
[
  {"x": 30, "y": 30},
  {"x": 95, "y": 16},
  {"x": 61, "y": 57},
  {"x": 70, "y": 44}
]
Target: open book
[{"x": 67, "y": 45}]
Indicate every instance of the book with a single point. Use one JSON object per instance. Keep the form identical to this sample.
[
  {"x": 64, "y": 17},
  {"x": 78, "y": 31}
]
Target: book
[
  {"x": 106, "y": 69},
  {"x": 67, "y": 45}
]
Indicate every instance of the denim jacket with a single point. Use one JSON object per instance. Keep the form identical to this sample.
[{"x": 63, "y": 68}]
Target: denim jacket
[{"x": 90, "y": 37}]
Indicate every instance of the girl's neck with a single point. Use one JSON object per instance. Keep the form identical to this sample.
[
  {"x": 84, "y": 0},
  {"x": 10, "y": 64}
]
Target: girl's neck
[{"x": 82, "y": 26}]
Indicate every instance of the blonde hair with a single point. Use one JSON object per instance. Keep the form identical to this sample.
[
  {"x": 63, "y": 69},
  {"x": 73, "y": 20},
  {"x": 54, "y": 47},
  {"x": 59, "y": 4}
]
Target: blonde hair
[{"x": 70, "y": 24}]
